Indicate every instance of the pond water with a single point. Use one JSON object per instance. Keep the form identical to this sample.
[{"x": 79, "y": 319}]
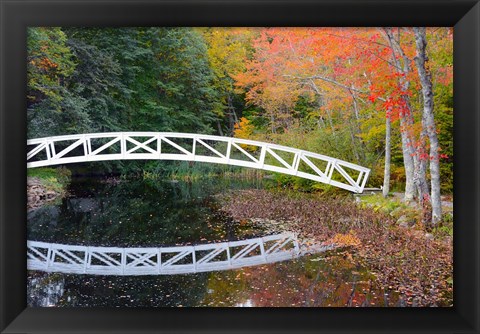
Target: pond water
[{"x": 103, "y": 212}]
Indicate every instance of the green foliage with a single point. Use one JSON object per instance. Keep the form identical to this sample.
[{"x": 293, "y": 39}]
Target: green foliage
[
  {"x": 119, "y": 79},
  {"x": 148, "y": 79},
  {"x": 307, "y": 136},
  {"x": 444, "y": 120},
  {"x": 443, "y": 231}
]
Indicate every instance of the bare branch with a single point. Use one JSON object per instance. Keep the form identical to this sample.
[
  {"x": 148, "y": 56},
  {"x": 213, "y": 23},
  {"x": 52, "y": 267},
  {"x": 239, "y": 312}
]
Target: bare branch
[{"x": 319, "y": 77}]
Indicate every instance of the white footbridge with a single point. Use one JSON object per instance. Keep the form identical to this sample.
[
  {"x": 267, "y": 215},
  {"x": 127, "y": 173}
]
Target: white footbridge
[
  {"x": 75, "y": 259},
  {"x": 52, "y": 257},
  {"x": 196, "y": 147}
]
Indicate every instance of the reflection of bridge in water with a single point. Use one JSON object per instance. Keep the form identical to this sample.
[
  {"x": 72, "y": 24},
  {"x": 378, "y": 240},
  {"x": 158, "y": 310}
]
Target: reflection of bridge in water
[{"x": 76, "y": 259}]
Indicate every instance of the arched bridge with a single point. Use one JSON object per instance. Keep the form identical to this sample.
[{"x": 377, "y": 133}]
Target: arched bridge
[
  {"x": 196, "y": 147},
  {"x": 78, "y": 259}
]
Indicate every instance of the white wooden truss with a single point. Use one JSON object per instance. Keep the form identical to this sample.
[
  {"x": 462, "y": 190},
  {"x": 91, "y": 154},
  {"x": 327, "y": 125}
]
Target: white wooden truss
[
  {"x": 51, "y": 257},
  {"x": 196, "y": 147}
]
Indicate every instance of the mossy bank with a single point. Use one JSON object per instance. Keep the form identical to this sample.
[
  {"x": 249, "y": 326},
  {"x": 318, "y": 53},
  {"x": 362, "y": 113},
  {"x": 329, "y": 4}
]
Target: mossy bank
[{"x": 46, "y": 185}]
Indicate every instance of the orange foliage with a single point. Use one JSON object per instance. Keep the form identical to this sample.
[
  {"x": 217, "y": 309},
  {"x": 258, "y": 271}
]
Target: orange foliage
[
  {"x": 44, "y": 63},
  {"x": 338, "y": 64},
  {"x": 47, "y": 64}
]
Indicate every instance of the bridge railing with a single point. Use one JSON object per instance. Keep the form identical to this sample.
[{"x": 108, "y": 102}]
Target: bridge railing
[{"x": 196, "y": 147}]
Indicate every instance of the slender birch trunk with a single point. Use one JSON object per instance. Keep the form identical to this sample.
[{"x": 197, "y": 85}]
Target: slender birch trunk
[
  {"x": 428, "y": 122},
  {"x": 354, "y": 144},
  {"x": 386, "y": 174},
  {"x": 361, "y": 144},
  {"x": 407, "y": 162},
  {"x": 420, "y": 174},
  {"x": 407, "y": 140}
]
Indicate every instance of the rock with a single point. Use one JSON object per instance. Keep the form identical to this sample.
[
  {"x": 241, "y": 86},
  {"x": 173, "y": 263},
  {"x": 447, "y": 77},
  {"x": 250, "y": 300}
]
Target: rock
[
  {"x": 33, "y": 181},
  {"x": 343, "y": 220},
  {"x": 38, "y": 194},
  {"x": 417, "y": 233},
  {"x": 50, "y": 194},
  {"x": 406, "y": 222},
  {"x": 429, "y": 236}
]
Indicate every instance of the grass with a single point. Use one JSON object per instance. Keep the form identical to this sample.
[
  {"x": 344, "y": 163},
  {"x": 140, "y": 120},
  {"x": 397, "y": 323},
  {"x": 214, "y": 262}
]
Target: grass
[
  {"x": 55, "y": 179},
  {"x": 379, "y": 203},
  {"x": 189, "y": 172},
  {"x": 445, "y": 227},
  {"x": 396, "y": 208}
]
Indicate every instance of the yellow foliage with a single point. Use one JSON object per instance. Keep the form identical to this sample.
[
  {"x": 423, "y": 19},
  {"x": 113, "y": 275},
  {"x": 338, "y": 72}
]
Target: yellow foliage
[
  {"x": 228, "y": 51},
  {"x": 244, "y": 130},
  {"x": 349, "y": 239}
]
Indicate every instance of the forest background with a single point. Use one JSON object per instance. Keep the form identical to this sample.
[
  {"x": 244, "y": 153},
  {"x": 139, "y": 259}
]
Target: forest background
[{"x": 378, "y": 97}]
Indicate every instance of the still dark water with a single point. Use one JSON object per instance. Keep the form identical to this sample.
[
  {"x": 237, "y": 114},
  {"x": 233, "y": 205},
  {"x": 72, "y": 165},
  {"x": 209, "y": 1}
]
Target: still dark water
[{"x": 100, "y": 212}]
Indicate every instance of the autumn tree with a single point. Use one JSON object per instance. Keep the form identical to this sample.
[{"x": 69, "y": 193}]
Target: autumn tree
[{"x": 227, "y": 50}]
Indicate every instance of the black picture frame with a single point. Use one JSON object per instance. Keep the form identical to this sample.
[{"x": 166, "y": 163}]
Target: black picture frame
[{"x": 17, "y": 15}]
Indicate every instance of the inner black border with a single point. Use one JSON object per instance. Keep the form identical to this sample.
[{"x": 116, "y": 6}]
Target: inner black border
[{"x": 15, "y": 16}]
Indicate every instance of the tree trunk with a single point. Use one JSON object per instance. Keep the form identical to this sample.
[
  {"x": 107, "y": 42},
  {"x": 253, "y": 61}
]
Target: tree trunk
[
  {"x": 354, "y": 145},
  {"x": 428, "y": 122},
  {"x": 219, "y": 126},
  {"x": 416, "y": 182},
  {"x": 420, "y": 175},
  {"x": 272, "y": 121},
  {"x": 329, "y": 116},
  {"x": 386, "y": 174},
  {"x": 416, "y": 151},
  {"x": 231, "y": 114},
  {"x": 408, "y": 163},
  {"x": 361, "y": 144}
]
